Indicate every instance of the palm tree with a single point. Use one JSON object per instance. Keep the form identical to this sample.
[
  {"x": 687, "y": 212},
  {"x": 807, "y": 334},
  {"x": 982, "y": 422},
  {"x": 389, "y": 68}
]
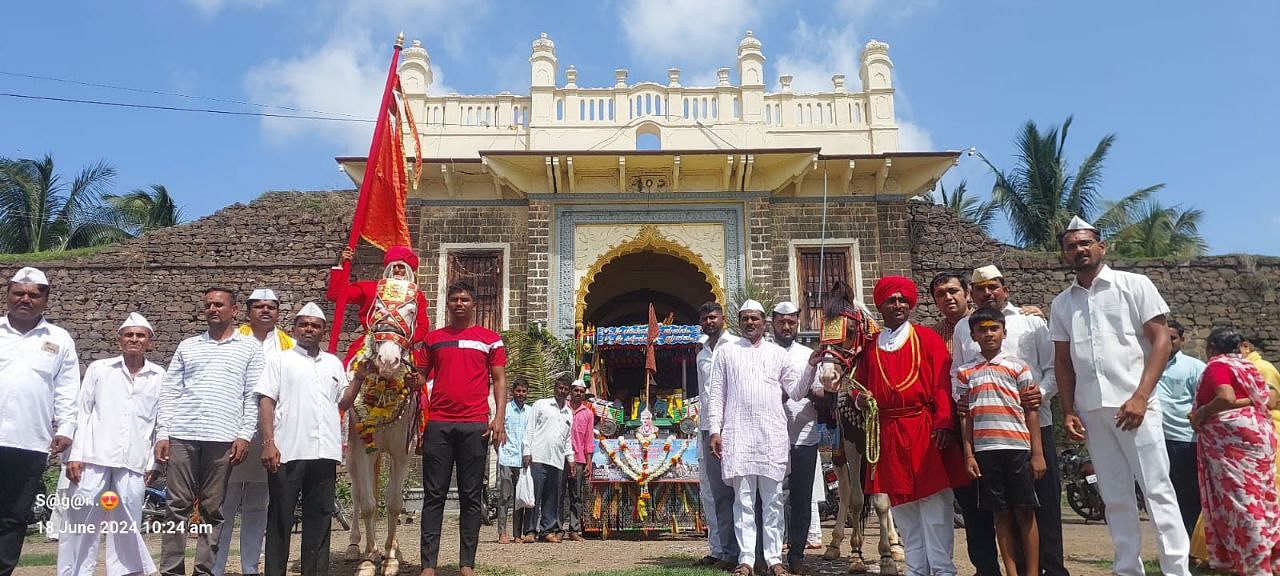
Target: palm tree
[
  {"x": 748, "y": 290},
  {"x": 38, "y": 211},
  {"x": 536, "y": 356},
  {"x": 965, "y": 206},
  {"x": 141, "y": 211},
  {"x": 1160, "y": 232},
  {"x": 1041, "y": 194}
]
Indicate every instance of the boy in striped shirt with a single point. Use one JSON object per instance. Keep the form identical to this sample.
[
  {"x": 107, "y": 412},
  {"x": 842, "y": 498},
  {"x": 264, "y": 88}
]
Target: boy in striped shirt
[{"x": 1001, "y": 454}]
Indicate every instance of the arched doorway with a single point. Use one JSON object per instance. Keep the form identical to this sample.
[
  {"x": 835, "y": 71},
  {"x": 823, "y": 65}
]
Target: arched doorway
[
  {"x": 621, "y": 292},
  {"x": 620, "y": 295}
]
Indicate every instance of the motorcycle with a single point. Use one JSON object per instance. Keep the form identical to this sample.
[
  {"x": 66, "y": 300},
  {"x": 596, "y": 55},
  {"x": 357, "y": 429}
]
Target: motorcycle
[
  {"x": 829, "y": 506},
  {"x": 1081, "y": 485},
  {"x": 1080, "y": 481}
]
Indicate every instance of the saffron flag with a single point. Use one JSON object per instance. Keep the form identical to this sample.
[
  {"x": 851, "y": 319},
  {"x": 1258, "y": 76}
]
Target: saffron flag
[
  {"x": 651, "y": 363},
  {"x": 380, "y": 214},
  {"x": 386, "y": 184}
]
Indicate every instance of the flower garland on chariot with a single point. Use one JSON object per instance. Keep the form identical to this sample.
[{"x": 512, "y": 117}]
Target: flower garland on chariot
[{"x": 639, "y": 472}]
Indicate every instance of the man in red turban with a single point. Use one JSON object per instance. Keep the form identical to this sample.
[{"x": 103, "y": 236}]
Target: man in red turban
[
  {"x": 399, "y": 263},
  {"x": 907, "y": 371}
]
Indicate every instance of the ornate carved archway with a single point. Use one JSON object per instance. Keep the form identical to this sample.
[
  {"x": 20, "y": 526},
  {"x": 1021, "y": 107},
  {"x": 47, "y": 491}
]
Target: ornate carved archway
[{"x": 649, "y": 239}]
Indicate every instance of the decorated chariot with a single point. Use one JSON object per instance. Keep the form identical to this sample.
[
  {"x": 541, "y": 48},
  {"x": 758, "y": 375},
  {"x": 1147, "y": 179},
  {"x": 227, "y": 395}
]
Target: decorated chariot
[{"x": 644, "y": 473}]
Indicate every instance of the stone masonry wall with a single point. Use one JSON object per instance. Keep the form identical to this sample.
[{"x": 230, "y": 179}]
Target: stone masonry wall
[
  {"x": 432, "y": 225},
  {"x": 286, "y": 241},
  {"x": 845, "y": 219},
  {"x": 289, "y": 240},
  {"x": 1234, "y": 290}
]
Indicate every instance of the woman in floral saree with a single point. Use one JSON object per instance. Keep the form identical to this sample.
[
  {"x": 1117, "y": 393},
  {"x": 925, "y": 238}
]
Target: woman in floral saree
[{"x": 1237, "y": 451}]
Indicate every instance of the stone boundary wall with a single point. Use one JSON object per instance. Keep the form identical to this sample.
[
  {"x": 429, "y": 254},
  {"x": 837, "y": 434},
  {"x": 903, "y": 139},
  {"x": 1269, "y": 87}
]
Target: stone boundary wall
[
  {"x": 1234, "y": 290},
  {"x": 288, "y": 241},
  {"x": 284, "y": 240}
]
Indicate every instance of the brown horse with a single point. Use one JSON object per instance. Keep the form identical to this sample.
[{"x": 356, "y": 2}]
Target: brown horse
[{"x": 847, "y": 330}]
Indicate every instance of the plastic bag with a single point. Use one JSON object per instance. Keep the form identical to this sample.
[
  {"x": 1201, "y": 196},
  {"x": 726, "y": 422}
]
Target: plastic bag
[{"x": 524, "y": 489}]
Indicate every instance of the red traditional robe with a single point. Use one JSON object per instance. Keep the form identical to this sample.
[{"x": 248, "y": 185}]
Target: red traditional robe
[
  {"x": 912, "y": 387},
  {"x": 362, "y": 294}
]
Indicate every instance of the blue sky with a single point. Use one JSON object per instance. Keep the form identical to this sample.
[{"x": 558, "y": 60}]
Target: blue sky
[{"x": 1191, "y": 89}]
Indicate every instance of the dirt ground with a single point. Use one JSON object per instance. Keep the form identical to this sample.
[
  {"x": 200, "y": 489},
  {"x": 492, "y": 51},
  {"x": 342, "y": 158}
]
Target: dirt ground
[{"x": 1088, "y": 551}]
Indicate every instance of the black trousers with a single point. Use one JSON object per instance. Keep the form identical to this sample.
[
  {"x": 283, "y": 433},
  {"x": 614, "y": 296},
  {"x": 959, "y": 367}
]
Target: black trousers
[
  {"x": 1186, "y": 480},
  {"x": 980, "y": 531},
  {"x": 804, "y": 460},
  {"x": 548, "y": 484},
  {"x": 446, "y": 446},
  {"x": 19, "y": 484},
  {"x": 314, "y": 482}
]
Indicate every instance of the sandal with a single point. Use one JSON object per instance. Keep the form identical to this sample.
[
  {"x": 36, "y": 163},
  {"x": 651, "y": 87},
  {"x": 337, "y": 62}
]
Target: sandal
[
  {"x": 742, "y": 570},
  {"x": 708, "y": 560},
  {"x": 778, "y": 570}
]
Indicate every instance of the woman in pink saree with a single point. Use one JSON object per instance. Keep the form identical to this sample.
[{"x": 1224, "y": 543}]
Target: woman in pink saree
[{"x": 1237, "y": 452}]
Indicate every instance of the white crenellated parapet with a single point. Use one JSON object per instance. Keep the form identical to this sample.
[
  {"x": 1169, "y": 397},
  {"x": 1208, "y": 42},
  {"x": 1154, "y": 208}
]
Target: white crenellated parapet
[{"x": 844, "y": 120}]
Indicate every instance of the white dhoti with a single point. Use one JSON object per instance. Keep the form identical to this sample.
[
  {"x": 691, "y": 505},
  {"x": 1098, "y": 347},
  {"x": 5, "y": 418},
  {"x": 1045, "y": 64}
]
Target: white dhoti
[
  {"x": 927, "y": 530},
  {"x": 746, "y": 490},
  {"x": 1120, "y": 458},
  {"x": 249, "y": 499},
  {"x": 126, "y": 551},
  {"x": 819, "y": 494}
]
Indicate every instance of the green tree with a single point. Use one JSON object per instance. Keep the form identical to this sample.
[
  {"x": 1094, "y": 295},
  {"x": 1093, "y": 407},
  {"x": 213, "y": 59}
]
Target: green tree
[
  {"x": 538, "y": 357},
  {"x": 748, "y": 290},
  {"x": 39, "y": 211},
  {"x": 966, "y": 206},
  {"x": 1041, "y": 193},
  {"x": 143, "y": 211},
  {"x": 1158, "y": 231}
]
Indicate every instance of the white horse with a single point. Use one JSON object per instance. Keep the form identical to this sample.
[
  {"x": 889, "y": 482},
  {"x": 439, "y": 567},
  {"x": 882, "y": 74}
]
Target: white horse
[
  {"x": 847, "y": 329},
  {"x": 382, "y": 422}
]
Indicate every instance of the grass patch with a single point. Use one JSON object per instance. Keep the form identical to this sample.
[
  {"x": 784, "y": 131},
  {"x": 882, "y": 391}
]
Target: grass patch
[
  {"x": 1149, "y": 567},
  {"x": 33, "y": 560},
  {"x": 672, "y": 565},
  {"x": 50, "y": 255},
  {"x": 485, "y": 569}
]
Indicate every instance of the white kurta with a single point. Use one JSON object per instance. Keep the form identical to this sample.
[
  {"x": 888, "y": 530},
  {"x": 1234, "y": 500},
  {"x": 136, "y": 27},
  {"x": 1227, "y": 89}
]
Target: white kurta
[
  {"x": 116, "y": 415},
  {"x": 41, "y": 374},
  {"x": 748, "y": 383},
  {"x": 115, "y": 432},
  {"x": 546, "y": 439}
]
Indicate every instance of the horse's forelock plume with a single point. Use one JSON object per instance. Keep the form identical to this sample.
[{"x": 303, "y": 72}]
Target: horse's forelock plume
[{"x": 839, "y": 299}]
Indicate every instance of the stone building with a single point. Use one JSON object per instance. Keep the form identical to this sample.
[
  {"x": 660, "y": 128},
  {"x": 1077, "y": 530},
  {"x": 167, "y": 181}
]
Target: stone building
[
  {"x": 546, "y": 203},
  {"x": 572, "y": 205}
]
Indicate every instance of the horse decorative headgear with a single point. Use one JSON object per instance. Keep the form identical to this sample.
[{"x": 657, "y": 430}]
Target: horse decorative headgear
[{"x": 847, "y": 327}]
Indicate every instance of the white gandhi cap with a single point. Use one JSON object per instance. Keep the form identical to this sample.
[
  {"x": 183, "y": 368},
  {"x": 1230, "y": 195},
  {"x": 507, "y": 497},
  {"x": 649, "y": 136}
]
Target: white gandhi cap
[{"x": 29, "y": 275}]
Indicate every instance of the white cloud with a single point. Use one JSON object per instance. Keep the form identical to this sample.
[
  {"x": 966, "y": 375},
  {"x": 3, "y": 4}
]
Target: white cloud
[
  {"x": 913, "y": 138},
  {"x": 817, "y": 53},
  {"x": 682, "y": 33},
  {"x": 346, "y": 73}
]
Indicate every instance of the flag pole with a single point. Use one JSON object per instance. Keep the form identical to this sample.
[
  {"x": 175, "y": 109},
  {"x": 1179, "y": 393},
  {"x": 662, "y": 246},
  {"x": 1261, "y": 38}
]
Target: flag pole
[{"x": 362, "y": 199}]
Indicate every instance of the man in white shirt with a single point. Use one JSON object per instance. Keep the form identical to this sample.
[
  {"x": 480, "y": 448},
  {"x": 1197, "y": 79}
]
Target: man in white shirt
[
  {"x": 749, "y": 380},
  {"x": 40, "y": 374},
  {"x": 112, "y": 450},
  {"x": 1111, "y": 343},
  {"x": 208, "y": 414},
  {"x": 300, "y": 395},
  {"x": 716, "y": 496},
  {"x": 1026, "y": 337},
  {"x": 804, "y": 434},
  {"x": 247, "y": 493},
  {"x": 548, "y": 451}
]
